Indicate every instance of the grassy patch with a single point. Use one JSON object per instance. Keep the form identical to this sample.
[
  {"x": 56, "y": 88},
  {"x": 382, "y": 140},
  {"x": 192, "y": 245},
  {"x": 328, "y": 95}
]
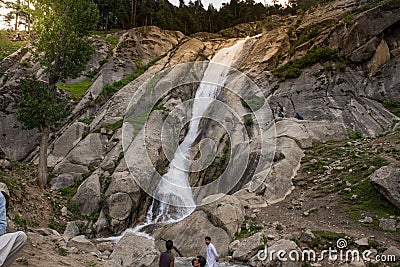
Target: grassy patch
[
  {"x": 77, "y": 90},
  {"x": 328, "y": 235},
  {"x": 62, "y": 251},
  {"x": 55, "y": 225},
  {"x": 354, "y": 135},
  {"x": 254, "y": 104},
  {"x": 293, "y": 68},
  {"x": 114, "y": 126},
  {"x": 23, "y": 223},
  {"x": 392, "y": 106},
  {"x": 248, "y": 229},
  {"x": 113, "y": 40},
  {"x": 7, "y": 45},
  {"x": 87, "y": 120}
]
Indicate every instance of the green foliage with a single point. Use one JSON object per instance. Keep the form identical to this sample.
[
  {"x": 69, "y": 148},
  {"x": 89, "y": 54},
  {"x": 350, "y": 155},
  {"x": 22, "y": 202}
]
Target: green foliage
[
  {"x": 328, "y": 235},
  {"x": 249, "y": 122},
  {"x": 62, "y": 27},
  {"x": 87, "y": 120},
  {"x": 354, "y": 135},
  {"x": 114, "y": 126},
  {"x": 254, "y": 103},
  {"x": 373, "y": 243},
  {"x": 62, "y": 251},
  {"x": 293, "y": 68},
  {"x": 77, "y": 90},
  {"x": 23, "y": 223},
  {"x": 7, "y": 45},
  {"x": 393, "y": 106},
  {"x": 248, "y": 229},
  {"x": 111, "y": 39},
  {"x": 39, "y": 105},
  {"x": 55, "y": 225}
]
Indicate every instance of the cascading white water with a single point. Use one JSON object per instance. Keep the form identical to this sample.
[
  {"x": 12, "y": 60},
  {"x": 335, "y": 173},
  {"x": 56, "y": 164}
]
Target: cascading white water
[{"x": 172, "y": 204}]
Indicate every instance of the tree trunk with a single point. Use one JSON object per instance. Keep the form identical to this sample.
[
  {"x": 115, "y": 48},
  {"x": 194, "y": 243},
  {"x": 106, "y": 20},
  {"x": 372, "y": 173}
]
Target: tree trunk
[
  {"x": 17, "y": 15},
  {"x": 106, "y": 26},
  {"x": 133, "y": 15},
  {"x": 42, "y": 179}
]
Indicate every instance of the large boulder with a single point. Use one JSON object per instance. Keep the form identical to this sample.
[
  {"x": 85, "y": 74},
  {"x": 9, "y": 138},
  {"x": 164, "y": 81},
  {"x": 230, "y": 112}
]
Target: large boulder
[
  {"x": 387, "y": 181},
  {"x": 188, "y": 235},
  {"x": 66, "y": 142},
  {"x": 87, "y": 198},
  {"x": 248, "y": 247},
  {"x": 227, "y": 212},
  {"x": 88, "y": 152},
  {"x": 134, "y": 251},
  {"x": 123, "y": 200}
]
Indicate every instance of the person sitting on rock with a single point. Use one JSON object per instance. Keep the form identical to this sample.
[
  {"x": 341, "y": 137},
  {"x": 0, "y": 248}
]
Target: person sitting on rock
[
  {"x": 10, "y": 243},
  {"x": 298, "y": 116},
  {"x": 199, "y": 261},
  {"x": 167, "y": 258}
]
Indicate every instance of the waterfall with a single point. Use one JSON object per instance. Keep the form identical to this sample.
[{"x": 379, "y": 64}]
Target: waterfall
[{"x": 170, "y": 204}]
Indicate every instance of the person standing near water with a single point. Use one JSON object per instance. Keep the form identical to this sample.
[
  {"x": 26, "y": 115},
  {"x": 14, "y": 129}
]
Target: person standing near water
[
  {"x": 212, "y": 255},
  {"x": 167, "y": 258}
]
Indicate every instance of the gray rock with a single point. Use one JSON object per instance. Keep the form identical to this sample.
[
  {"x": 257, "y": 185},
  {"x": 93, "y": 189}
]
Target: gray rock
[
  {"x": 71, "y": 230},
  {"x": 119, "y": 206},
  {"x": 66, "y": 142},
  {"x": 227, "y": 212},
  {"x": 392, "y": 251},
  {"x": 102, "y": 225},
  {"x": 82, "y": 244},
  {"x": 87, "y": 197},
  {"x": 62, "y": 180},
  {"x": 307, "y": 236},
  {"x": 387, "y": 181},
  {"x": 196, "y": 226},
  {"x": 5, "y": 164},
  {"x": 88, "y": 152},
  {"x": 133, "y": 250},
  {"x": 363, "y": 242},
  {"x": 105, "y": 246},
  {"x": 234, "y": 245},
  {"x": 387, "y": 224},
  {"x": 366, "y": 220},
  {"x": 248, "y": 247}
]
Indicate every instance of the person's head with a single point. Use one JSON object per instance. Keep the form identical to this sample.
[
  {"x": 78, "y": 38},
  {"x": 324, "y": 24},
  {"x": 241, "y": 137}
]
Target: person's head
[
  {"x": 208, "y": 240},
  {"x": 169, "y": 244},
  {"x": 199, "y": 261}
]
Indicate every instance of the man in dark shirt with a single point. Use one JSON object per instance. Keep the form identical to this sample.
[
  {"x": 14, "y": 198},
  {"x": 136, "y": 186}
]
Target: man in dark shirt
[{"x": 167, "y": 258}]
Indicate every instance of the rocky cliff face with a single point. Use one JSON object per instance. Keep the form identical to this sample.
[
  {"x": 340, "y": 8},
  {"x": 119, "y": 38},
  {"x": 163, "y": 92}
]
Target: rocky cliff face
[{"x": 333, "y": 99}]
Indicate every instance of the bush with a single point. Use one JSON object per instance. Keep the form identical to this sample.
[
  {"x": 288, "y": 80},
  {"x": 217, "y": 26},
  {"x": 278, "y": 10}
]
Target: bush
[{"x": 293, "y": 68}]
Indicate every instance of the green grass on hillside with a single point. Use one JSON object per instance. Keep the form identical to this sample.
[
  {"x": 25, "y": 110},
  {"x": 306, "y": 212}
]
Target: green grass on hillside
[
  {"x": 293, "y": 68},
  {"x": 77, "y": 90},
  {"x": 7, "y": 45}
]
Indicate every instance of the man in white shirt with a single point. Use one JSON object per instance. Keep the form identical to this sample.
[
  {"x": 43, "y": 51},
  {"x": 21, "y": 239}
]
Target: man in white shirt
[{"x": 212, "y": 255}]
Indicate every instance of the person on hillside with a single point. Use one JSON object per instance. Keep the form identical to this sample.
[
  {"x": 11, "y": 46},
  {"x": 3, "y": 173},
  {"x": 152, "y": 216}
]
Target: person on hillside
[
  {"x": 212, "y": 255},
  {"x": 167, "y": 258},
  {"x": 199, "y": 261},
  {"x": 10, "y": 243}
]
